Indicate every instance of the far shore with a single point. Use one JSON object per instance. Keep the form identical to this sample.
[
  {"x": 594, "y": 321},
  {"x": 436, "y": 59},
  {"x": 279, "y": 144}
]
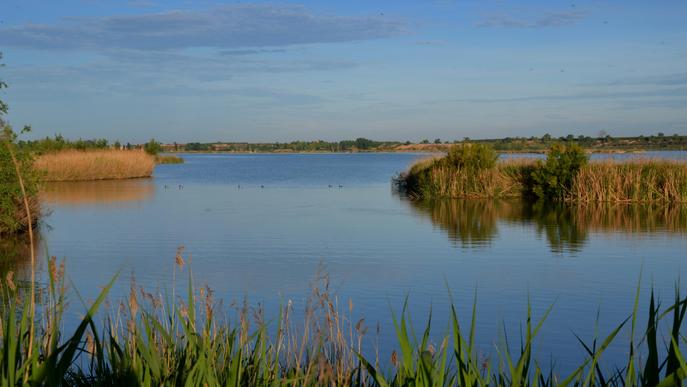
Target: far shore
[{"x": 419, "y": 150}]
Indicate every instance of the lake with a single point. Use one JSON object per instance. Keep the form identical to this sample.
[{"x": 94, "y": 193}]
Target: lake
[{"x": 260, "y": 227}]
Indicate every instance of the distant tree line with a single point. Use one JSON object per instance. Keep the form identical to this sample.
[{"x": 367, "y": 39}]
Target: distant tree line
[
  {"x": 360, "y": 144},
  {"x": 602, "y": 141},
  {"x": 58, "y": 143}
]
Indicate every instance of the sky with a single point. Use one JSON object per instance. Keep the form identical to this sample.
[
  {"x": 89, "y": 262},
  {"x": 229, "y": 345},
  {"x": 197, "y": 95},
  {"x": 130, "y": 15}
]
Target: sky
[{"x": 388, "y": 70}]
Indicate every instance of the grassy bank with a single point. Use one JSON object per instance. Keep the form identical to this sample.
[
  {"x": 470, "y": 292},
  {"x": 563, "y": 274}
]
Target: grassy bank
[
  {"x": 73, "y": 165},
  {"x": 150, "y": 339},
  {"x": 564, "y": 176}
]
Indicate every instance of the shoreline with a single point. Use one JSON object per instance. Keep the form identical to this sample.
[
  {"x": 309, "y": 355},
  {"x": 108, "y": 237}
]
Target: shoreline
[{"x": 437, "y": 151}]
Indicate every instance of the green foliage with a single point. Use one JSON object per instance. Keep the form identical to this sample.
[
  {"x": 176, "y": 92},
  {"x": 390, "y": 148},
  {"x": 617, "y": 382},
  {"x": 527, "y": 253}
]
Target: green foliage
[
  {"x": 553, "y": 179},
  {"x": 179, "y": 342},
  {"x": 472, "y": 157},
  {"x": 12, "y": 210},
  {"x": 152, "y": 147},
  {"x": 58, "y": 143},
  {"x": 196, "y": 146},
  {"x": 3, "y": 105},
  {"x": 13, "y": 218}
]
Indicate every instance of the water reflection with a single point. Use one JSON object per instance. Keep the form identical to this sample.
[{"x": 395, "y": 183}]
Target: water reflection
[
  {"x": 15, "y": 257},
  {"x": 475, "y": 223},
  {"x": 106, "y": 192}
]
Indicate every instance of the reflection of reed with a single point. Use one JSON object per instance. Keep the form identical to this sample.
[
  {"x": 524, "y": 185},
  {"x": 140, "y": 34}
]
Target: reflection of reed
[
  {"x": 632, "y": 218},
  {"x": 15, "y": 256},
  {"x": 470, "y": 222},
  {"x": 97, "y": 192},
  {"x": 566, "y": 227}
]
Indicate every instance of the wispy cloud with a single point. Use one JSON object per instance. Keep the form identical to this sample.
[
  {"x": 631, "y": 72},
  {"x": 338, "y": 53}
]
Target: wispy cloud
[
  {"x": 551, "y": 19},
  {"x": 158, "y": 73},
  {"x": 677, "y": 79},
  {"x": 251, "y": 51},
  {"x": 591, "y": 95},
  {"x": 225, "y": 27}
]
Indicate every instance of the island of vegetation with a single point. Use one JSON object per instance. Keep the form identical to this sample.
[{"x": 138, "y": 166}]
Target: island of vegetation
[{"x": 473, "y": 170}]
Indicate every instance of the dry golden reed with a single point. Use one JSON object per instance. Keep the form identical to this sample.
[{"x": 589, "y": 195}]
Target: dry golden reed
[
  {"x": 627, "y": 181},
  {"x": 433, "y": 178},
  {"x": 631, "y": 181},
  {"x": 73, "y": 165}
]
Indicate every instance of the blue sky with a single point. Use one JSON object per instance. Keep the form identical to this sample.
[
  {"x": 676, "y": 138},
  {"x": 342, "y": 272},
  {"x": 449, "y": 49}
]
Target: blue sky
[{"x": 399, "y": 70}]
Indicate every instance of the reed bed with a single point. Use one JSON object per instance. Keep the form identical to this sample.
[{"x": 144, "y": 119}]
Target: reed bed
[
  {"x": 631, "y": 181},
  {"x": 74, "y": 165},
  {"x": 150, "y": 339},
  {"x": 435, "y": 178}
]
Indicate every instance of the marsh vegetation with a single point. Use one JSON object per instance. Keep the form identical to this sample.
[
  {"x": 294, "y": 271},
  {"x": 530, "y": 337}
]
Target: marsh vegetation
[
  {"x": 472, "y": 171},
  {"x": 75, "y": 165}
]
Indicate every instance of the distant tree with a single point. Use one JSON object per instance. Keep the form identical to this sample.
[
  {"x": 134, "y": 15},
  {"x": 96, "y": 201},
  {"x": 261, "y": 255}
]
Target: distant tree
[
  {"x": 425, "y": 141},
  {"x": 152, "y": 147},
  {"x": 364, "y": 143},
  {"x": 437, "y": 141},
  {"x": 117, "y": 145},
  {"x": 661, "y": 134},
  {"x": 546, "y": 137}
]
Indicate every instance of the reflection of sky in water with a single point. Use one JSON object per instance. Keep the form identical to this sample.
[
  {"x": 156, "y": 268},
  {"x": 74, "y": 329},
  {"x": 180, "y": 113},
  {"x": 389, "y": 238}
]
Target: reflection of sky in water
[{"x": 266, "y": 244}]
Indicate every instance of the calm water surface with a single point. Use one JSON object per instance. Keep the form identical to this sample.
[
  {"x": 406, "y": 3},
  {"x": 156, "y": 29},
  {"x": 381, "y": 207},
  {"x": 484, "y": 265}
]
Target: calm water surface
[{"x": 259, "y": 226}]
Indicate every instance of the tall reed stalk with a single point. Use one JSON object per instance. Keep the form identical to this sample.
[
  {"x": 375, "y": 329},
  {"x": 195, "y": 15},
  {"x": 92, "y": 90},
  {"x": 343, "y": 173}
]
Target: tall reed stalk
[{"x": 32, "y": 295}]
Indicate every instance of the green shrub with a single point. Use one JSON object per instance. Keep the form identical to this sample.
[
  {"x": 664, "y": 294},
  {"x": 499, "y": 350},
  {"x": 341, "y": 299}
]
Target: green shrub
[
  {"x": 473, "y": 157},
  {"x": 553, "y": 179},
  {"x": 13, "y": 217},
  {"x": 152, "y": 147}
]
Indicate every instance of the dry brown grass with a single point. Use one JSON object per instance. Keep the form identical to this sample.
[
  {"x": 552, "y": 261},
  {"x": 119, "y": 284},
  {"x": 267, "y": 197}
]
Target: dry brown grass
[
  {"x": 631, "y": 181},
  {"x": 433, "y": 178},
  {"x": 76, "y": 165},
  {"x": 626, "y": 181}
]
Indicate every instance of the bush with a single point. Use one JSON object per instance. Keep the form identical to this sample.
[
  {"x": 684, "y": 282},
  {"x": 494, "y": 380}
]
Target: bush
[
  {"x": 152, "y": 147},
  {"x": 473, "y": 157},
  {"x": 553, "y": 179},
  {"x": 13, "y": 217}
]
